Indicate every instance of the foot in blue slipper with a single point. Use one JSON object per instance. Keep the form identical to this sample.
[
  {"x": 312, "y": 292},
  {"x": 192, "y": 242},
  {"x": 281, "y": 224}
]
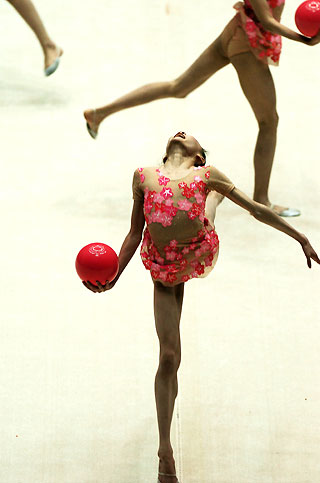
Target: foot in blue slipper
[
  {"x": 92, "y": 125},
  {"x": 52, "y": 59},
  {"x": 286, "y": 212}
]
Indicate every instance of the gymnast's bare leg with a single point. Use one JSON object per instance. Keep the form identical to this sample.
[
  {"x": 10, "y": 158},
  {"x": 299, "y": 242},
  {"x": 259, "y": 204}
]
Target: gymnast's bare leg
[
  {"x": 167, "y": 312},
  {"x": 28, "y": 12},
  {"x": 209, "y": 62}
]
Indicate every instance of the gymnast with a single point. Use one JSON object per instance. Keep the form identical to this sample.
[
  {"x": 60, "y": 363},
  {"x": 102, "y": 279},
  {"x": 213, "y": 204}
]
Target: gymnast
[{"x": 180, "y": 243}]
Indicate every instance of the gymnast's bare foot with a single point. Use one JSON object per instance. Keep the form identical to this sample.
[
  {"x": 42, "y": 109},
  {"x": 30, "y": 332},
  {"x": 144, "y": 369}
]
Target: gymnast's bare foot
[{"x": 167, "y": 466}]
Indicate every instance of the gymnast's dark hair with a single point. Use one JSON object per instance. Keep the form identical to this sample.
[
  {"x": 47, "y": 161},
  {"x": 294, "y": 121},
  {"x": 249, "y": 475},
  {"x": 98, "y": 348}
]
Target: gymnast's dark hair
[{"x": 204, "y": 154}]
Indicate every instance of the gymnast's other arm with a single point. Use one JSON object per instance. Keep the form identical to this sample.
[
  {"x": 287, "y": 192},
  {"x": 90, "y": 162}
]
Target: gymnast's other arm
[
  {"x": 266, "y": 215},
  {"x": 263, "y": 12},
  {"x": 129, "y": 246}
]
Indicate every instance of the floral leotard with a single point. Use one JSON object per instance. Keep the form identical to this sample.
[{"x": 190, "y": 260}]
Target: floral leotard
[
  {"x": 178, "y": 243},
  {"x": 265, "y": 45}
]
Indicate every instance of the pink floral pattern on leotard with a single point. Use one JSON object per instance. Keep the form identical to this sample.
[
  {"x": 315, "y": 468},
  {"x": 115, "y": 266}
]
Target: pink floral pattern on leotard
[
  {"x": 175, "y": 267},
  {"x": 266, "y": 45},
  {"x": 177, "y": 259},
  {"x": 142, "y": 178}
]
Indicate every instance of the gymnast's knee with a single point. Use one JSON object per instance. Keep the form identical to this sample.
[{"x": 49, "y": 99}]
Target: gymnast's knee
[
  {"x": 169, "y": 361},
  {"x": 269, "y": 120}
]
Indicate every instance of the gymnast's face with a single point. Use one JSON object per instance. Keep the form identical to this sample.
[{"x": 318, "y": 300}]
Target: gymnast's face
[{"x": 188, "y": 142}]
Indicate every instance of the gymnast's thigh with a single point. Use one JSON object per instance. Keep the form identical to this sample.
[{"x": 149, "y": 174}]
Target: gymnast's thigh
[{"x": 234, "y": 40}]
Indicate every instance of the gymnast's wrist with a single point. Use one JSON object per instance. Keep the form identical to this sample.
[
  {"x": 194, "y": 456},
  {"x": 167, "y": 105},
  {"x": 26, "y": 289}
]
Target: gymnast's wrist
[
  {"x": 302, "y": 239},
  {"x": 304, "y": 40}
]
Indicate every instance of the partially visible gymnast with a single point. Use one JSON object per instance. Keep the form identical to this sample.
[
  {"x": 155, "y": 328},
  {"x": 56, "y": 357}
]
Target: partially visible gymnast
[
  {"x": 250, "y": 42},
  {"x": 51, "y": 51},
  {"x": 180, "y": 243}
]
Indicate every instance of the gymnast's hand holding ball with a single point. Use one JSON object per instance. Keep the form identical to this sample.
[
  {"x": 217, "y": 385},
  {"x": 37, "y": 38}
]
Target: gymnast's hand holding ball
[
  {"x": 307, "y": 20},
  {"x": 99, "y": 287},
  {"x": 97, "y": 265}
]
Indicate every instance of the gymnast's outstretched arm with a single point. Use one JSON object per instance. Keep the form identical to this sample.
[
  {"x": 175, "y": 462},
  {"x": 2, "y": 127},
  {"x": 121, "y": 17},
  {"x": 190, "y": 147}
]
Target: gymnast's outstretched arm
[
  {"x": 266, "y": 215},
  {"x": 270, "y": 23},
  {"x": 129, "y": 246}
]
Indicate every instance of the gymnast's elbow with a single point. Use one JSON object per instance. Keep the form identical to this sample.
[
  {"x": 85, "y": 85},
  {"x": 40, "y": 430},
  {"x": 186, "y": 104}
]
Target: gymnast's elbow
[{"x": 257, "y": 210}]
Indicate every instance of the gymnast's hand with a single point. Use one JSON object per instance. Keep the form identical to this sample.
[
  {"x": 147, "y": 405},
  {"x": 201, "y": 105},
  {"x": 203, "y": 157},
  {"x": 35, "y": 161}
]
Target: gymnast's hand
[
  {"x": 309, "y": 252},
  {"x": 314, "y": 40},
  {"x": 99, "y": 287}
]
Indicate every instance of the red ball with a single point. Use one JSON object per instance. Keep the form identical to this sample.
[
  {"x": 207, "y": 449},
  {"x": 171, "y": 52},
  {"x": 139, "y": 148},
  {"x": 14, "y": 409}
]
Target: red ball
[
  {"x": 97, "y": 261},
  {"x": 308, "y": 18}
]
